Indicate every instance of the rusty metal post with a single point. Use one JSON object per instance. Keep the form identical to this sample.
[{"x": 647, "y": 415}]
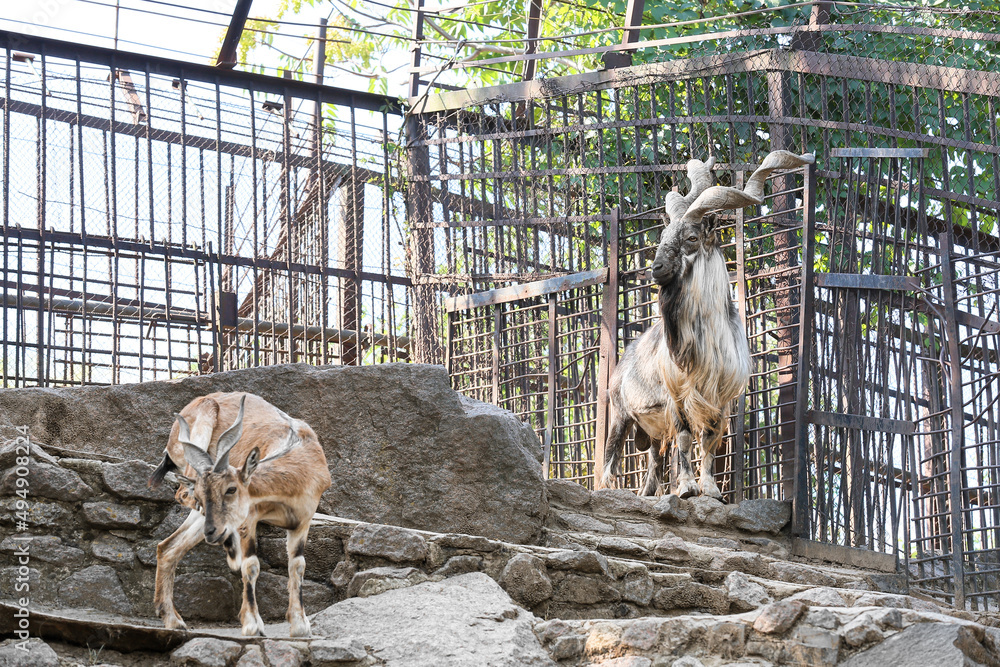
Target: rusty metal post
[
  {"x": 550, "y": 411},
  {"x": 609, "y": 347},
  {"x": 802, "y": 492},
  {"x": 739, "y": 438},
  {"x": 787, "y": 299},
  {"x": 956, "y": 453}
]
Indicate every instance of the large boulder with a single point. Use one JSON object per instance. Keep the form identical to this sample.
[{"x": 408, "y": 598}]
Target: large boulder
[
  {"x": 465, "y": 620},
  {"x": 402, "y": 446}
]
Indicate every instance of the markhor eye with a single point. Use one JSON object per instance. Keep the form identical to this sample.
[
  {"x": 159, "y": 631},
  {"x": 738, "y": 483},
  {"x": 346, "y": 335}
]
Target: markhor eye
[
  {"x": 231, "y": 490},
  {"x": 692, "y": 238}
]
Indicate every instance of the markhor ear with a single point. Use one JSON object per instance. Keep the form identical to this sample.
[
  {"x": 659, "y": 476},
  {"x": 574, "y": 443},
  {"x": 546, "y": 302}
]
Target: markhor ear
[{"x": 250, "y": 464}]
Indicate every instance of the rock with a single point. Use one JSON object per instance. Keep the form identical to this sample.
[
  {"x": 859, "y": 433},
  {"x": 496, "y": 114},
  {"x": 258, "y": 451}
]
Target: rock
[
  {"x": 938, "y": 644},
  {"x": 671, "y": 508},
  {"x": 113, "y": 549},
  {"x": 95, "y": 587},
  {"x": 460, "y": 565},
  {"x": 635, "y": 529},
  {"x": 171, "y": 522},
  {"x": 41, "y": 587},
  {"x": 567, "y": 493},
  {"x": 272, "y": 596},
  {"x": 687, "y": 661},
  {"x": 671, "y": 548},
  {"x": 820, "y": 596},
  {"x": 390, "y": 542},
  {"x": 472, "y": 542},
  {"x": 343, "y": 573},
  {"x": 381, "y": 579},
  {"x": 526, "y": 580},
  {"x": 129, "y": 480},
  {"x": 579, "y": 589},
  {"x": 12, "y": 450},
  {"x": 204, "y": 597},
  {"x": 111, "y": 515},
  {"x": 889, "y": 583},
  {"x": 620, "y": 545},
  {"x": 37, "y": 514},
  {"x": 563, "y": 648},
  {"x": 604, "y": 636},
  {"x": 692, "y": 595},
  {"x": 744, "y": 594},
  {"x": 47, "y": 481},
  {"x": 583, "y": 523},
  {"x": 403, "y": 447},
  {"x": 626, "y": 661},
  {"x": 718, "y": 542},
  {"x": 800, "y": 574},
  {"x": 862, "y": 630},
  {"x": 709, "y": 511},
  {"x": 206, "y": 652},
  {"x": 727, "y": 639},
  {"x": 822, "y": 618},
  {"x": 812, "y": 646},
  {"x": 471, "y": 620},
  {"x": 48, "y": 549},
  {"x": 638, "y": 587},
  {"x": 618, "y": 501},
  {"x": 777, "y": 617},
  {"x": 30, "y": 653},
  {"x": 252, "y": 656},
  {"x": 331, "y": 651},
  {"x": 761, "y": 515},
  {"x": 281, "y": 654},
  {"x": 642, "y": 634},
  {"x": 588, "y": 562},
  {"x": 886, "y": 600}
]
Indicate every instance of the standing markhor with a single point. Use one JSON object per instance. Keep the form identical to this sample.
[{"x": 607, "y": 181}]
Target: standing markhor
[{"x": 681, "y": 376}]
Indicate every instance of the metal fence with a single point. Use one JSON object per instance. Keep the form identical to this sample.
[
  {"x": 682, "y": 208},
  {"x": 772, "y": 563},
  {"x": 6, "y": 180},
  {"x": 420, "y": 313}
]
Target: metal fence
[
  {"x": 879, "y": 418},
  {"x": 163, "y": 219}
]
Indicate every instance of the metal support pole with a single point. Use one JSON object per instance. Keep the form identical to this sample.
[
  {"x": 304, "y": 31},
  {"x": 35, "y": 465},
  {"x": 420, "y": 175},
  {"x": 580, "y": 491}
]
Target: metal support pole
[
  {"x": 955, "y": 454},
  {"x": 550, "y": 408},
  {"x": 630, "y": 35},
  {"x": 227, "y": 54},
  {"x": 531, "y": 45},
  {"x": 608, "y": 347},
  {"x": 801, "y": 494}
]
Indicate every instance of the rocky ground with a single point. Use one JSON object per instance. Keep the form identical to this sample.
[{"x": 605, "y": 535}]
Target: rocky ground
[
  {"x": 416, "y": 569},
  {"x": 621, "y": 581}
]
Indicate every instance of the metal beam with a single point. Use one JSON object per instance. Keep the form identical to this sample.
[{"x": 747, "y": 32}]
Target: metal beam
[
  {"x": 227, "y": 54},
  {"x": 534, "y": 23},
  {"x": 630, "y": 35},
  {"x": 165, "y": 67}
]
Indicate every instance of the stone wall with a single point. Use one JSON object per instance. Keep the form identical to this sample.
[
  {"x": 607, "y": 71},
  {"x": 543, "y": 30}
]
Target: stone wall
[{"x": 402, "y": 446}]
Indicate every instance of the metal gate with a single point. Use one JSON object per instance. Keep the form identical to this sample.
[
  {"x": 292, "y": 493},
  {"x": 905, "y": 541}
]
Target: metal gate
[{"x": 898, "y": 438}]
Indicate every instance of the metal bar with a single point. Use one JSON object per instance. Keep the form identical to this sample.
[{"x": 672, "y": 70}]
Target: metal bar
[
  {"x": 739, "y": 437},
  {"x": 955, "y": 453},
  {"x": 531, "y": 43},
  {"x": 526, "y": 290},
  {"x": 907, "y": 153},
  {"x": 867, "y": 281},
  {"x": 227, "y": 54},
  {"x": 608, "y": 354},
  {"x": 860, "y": 422},
  {"x": 553, "y": 362},
  {"x": 193, "y": 72},
  {"x": 802, "y": 492}
]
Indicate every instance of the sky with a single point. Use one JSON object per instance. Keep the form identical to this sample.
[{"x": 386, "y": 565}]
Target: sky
[{"x": 163, "y": 29}]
